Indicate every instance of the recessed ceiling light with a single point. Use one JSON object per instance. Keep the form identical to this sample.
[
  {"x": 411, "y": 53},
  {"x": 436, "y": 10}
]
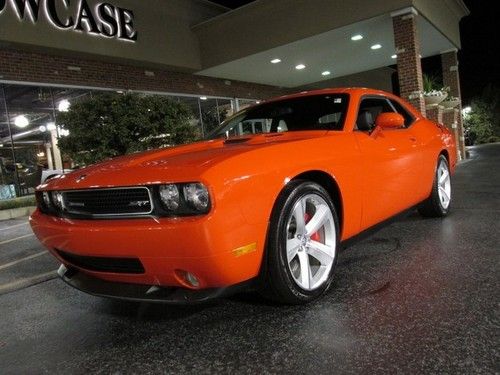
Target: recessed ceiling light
[
  {"x": 300, "y": 67},
  {"x": 357, "y": 37},
  {"x": 275, "y": 61},
  {"x": 326, "y": 73},
  {"x": 376, "y": 46},
  {"x": 203, "y": 98},
  {"x": 21, "y": 121},
  {"x": 394, "y": 56}
]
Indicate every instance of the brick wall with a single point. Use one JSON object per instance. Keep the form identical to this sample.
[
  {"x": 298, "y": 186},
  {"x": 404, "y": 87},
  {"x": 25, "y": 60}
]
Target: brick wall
[
  {"x": 16, "y": 65},
  {"x": 408, "y": 60}
]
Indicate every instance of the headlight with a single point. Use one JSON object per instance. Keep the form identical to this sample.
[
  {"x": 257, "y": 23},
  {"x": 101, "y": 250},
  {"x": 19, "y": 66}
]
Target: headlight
[
  {"x": 46, "y": 198},
  {"x": 57, "y": 199},
  {"x": 196, "y": 196},
  {"x": 169, "y": 195}
]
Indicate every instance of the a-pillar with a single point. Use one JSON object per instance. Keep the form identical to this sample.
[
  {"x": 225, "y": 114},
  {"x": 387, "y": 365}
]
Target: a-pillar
[
  {"x": 408, "y": 57},
  {"x": 449, "y": 64}
]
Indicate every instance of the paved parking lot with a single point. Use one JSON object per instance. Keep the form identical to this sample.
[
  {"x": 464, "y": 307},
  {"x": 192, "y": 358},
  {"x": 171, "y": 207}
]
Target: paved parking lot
[{"x": 420, "y": 296}]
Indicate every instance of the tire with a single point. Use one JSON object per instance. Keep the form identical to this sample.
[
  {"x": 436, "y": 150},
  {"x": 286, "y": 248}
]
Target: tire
[
  {"x": 301, "y": 254},
  {"x": 439, "y": 202}
]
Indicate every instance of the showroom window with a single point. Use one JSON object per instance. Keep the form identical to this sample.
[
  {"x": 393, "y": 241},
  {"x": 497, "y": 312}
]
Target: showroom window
[{"x": 29, "y": 129}]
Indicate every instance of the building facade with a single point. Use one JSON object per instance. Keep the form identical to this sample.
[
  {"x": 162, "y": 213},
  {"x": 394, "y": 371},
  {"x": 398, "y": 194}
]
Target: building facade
[{"x": 56, "y": 52}]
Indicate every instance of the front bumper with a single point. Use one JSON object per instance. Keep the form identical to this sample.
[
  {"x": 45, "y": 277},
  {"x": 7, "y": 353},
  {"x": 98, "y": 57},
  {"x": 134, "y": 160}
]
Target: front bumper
[
  {"x": 144, "y": 293},
  {"x": 206, "y": 247}
]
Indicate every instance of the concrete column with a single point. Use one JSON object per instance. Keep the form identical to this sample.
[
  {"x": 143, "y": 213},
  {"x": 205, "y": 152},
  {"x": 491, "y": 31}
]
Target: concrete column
[
  {"x": 449, "y": 65},
  {"x": 55, "y": 149},
  {"x": 408, "y": 57},
  {"x": 48, "y": 152}
]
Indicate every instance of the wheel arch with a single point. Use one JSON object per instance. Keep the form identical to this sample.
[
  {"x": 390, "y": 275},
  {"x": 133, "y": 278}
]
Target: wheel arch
[
  {"x": 445, "y": 153},
  {"x": 328, "y": 182}
]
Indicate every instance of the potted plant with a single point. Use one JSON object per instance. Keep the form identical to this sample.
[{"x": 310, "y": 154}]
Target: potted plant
[{"x": 433, "y": 92}]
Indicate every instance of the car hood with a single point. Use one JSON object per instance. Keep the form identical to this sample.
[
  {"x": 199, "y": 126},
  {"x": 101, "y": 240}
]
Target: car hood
[{"x": 175, "y": 164}]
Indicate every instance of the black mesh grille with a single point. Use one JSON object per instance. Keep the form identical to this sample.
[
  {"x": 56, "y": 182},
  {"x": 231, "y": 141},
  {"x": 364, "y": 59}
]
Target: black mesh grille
[
  {"x": 121, "y": 201},
  {"x": 103, "y": 264}
]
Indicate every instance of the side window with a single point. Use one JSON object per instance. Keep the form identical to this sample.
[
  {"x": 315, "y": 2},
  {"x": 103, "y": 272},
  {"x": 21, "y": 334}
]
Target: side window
[
  {"x": 403, "y": 112},
  {"x": 369, "y": 109}
]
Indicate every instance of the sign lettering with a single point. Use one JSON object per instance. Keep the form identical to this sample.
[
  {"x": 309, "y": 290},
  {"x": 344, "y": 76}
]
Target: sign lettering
[{"x": 104, "y": 19}]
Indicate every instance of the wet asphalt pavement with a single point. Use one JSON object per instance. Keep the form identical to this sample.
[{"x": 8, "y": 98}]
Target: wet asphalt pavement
[{"x": 419, "y": 296}]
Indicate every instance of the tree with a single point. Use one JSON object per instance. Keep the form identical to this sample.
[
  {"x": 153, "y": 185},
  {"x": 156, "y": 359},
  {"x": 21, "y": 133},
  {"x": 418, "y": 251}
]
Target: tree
[
  {"x": 109, "y": 124},
  {"x": 482, "y": 123}
]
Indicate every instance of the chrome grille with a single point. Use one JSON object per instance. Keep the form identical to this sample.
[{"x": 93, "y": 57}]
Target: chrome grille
[{"x": 108, "y": 202}]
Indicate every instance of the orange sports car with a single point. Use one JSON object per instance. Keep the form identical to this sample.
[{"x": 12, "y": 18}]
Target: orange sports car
[{"x": 265, "y": 202}]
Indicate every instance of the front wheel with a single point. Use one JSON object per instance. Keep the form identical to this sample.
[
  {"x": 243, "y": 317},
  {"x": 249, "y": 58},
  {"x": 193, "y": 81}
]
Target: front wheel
[
  {"x": 438, "y": 203},
  {"x": 302, "y": 244}
]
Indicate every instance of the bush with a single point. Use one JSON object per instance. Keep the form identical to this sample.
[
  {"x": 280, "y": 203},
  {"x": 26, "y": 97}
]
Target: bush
[{"x": 27, "y": 201}]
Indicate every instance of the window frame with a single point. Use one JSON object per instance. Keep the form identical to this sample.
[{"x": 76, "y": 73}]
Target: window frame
[{"x": 389, "y": 102}]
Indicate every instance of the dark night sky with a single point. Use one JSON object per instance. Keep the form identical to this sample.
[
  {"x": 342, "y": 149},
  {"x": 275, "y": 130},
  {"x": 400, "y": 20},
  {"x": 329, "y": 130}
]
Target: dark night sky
[{"x": 479, "y": 57}]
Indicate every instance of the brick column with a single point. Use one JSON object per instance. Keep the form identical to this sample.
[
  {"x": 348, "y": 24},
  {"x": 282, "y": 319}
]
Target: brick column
[
  {"x": 435, "y": 113},
  {"x": 408, "y": 61},
  {"x": 450, "y": 119},
  {"x": 449, "y": 65}
]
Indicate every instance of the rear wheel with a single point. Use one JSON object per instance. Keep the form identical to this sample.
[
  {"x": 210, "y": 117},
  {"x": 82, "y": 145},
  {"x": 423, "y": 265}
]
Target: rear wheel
[
  {"x": 438, "y": 203},
  {"x": 302, "y": 244}
]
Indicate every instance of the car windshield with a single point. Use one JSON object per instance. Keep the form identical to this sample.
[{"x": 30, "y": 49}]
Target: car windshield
[{"x": 318, "y": 112}]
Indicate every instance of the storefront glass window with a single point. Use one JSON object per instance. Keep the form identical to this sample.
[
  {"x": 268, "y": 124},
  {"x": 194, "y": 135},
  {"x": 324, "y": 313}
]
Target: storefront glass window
[{"x": 32, "y": 113}]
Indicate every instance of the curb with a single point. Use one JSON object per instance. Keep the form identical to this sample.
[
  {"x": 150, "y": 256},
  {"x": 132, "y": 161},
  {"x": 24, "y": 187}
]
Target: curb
[{"x": 13, "y": 213}]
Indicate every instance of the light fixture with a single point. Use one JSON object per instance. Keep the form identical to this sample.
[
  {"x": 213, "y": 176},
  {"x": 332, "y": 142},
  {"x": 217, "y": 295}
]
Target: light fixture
[
  {"x": 42, "y": 128},
  {"x": 356, "y": 37},
  {"x": 51, "y": 126},
  {"x": 63, "y": 105},
  {"x": 300, "y": 67},
  {"x": 41, "y": 154},
  {"x": 394, "y": 56},
  {"x": 203, "y": 98},
  {"x": 21, "y": 121},
  {"x": 326, "y": 73},
  {"x": 376, "y": 46},
  {"x": 275, "y": 61},
  {"x": 63, "y": 132}
]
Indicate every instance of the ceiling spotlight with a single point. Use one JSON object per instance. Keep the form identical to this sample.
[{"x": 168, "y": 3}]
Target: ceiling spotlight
[
  {"x": 275, "y": 61},
  {"x": 63, "y": 106},
  {"x": 376, "y": 46},
  {"x": 51, "y": 126},
  {"x": 300, "y": 67},
  {"x": 326, "y": 73},
  {"x": 394, "y": 56},
  {"x": 357, "y": 37},
  {"x": 42, "y": 128},
  {"x": 21, "y": 121},
  {"x": 203, "y": 98}
]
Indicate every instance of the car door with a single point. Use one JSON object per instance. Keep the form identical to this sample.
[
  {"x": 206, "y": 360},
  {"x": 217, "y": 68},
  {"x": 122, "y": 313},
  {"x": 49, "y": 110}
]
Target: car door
[{"x": 390, "y": 163}]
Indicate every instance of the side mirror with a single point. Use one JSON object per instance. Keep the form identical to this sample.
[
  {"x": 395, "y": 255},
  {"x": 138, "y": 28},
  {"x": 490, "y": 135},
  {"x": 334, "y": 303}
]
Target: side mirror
[{"x": 389, "y": 120}]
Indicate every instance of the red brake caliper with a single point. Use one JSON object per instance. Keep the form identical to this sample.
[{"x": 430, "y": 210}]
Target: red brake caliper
[{"x": 314, "y": 236}]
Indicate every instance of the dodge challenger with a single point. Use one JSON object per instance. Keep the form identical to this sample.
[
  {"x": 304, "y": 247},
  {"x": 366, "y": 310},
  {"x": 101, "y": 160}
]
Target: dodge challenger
[{"x": 265, "y": 202}]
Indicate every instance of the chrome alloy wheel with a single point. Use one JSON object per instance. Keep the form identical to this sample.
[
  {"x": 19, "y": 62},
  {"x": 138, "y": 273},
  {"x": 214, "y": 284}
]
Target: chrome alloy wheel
[
  {"x": 444, "y": 184},
  {"x": 311, "y": 242}
]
